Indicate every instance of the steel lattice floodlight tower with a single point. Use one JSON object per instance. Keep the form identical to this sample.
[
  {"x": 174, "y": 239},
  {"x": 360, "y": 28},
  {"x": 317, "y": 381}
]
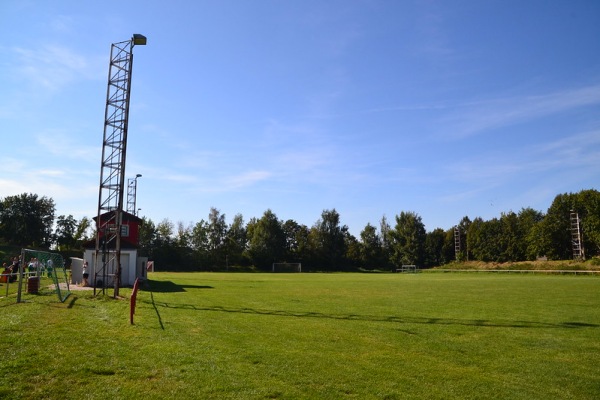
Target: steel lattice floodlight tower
[
  {"x": 132, "y": 194},
  {"x": 112, "y": 171}
]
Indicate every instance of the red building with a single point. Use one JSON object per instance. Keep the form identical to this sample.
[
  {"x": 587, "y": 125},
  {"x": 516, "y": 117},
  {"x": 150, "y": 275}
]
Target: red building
[
  {"x": 130, "y": 228},
  {"x": 132, "y": 266}
]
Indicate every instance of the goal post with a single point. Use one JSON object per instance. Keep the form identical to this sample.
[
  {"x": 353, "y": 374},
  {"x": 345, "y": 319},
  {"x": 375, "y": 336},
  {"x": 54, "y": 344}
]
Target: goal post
[
  {"x": 287, "y": 267},
  {"x": 42, "y": 272}
]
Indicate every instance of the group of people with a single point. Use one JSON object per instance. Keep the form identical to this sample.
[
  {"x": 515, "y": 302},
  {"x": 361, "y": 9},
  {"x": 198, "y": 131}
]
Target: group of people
[
  {"x": 9, "y": 272},
  {"x": 35, "y": 267}
]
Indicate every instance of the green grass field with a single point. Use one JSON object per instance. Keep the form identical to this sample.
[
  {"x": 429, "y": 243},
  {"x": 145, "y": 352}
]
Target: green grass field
[{"x": 310, "y": 336}]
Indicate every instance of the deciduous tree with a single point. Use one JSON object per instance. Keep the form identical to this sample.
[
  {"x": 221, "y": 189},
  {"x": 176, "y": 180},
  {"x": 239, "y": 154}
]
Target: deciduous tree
[
  {"x": 64, "y": 233},
  {"x": 483, "y": 239},
  {"x": 266, "y": 241},
  {"x": 371, "y": 249},
  {"x": 27, "y": 220},
  {"x": 237, "y": 241},
  {"x": 434, "y": 247},
  {"x": 408, "y": 240},
  {"x": 329, "y": 240}
]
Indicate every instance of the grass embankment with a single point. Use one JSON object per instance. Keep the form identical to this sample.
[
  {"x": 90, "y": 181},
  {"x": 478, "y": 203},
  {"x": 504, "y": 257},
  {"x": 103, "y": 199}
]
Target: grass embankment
[
  {"x": 564, "y": 265},
  {"x": 294, "y": 336}
]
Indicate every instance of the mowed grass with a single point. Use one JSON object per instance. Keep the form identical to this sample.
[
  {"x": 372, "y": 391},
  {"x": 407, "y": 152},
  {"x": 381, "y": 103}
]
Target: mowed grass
[{"x": 311, "y": 336}]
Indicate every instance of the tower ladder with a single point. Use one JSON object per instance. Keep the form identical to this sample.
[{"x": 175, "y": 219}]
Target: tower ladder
[
  {"x": 578, "y": 253},
  {"x": 457, "y": 247}
]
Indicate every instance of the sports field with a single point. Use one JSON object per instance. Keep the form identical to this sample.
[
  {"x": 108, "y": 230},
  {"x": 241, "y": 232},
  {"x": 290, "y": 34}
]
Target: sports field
[{"x": 310, "y": 336}]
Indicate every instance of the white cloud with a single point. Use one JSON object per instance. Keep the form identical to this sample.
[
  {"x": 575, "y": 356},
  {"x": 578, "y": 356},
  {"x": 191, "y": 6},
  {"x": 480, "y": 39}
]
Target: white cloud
[
  {"x": 52, "y": 67},
  {"x": 245, "y": 179},
  {"x": 540, "y": 170},
  {"x": 62, "y": 144},
  {"x": 432, "y": 34},
  {"x": 62, "y": 24},
  {"x": 175, "y": 177},
  {"x": 52, "y": 172},
  {"x": 33, "y": 181},
  {"x": 12, "y": 187},
  {"x": 510, "y": 111},
  {"x": 573, "y": 144}
]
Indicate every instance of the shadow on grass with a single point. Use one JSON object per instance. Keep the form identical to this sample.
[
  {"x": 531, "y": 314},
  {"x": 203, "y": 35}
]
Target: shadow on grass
[
  {"x": 72, "y": 301},
  {"x": 376, "y": 318},
  {"x": 166, "y": 287},
  {"x": 162, "y": 326},
  {"x": 170, "y": 287}
]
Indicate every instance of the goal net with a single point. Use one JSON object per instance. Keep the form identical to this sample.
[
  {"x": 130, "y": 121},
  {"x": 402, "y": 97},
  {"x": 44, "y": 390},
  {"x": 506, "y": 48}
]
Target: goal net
[
  {"x": 287, "y": 267},
  {"x": 42, "y": 273}
]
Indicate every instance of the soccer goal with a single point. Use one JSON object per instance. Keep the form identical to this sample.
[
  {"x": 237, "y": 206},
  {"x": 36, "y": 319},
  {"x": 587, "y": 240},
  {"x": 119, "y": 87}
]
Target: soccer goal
[
  {"x": 287, "y": 267},
  {"x": 42, "y": 272},
  {"x": 408, "y": 268}
]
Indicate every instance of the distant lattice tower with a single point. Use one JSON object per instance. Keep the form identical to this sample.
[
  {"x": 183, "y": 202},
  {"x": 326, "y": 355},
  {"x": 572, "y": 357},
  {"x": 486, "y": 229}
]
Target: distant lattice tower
[
  {"x": 457, "y": 246},
  {"x": 112, "y": 171},
  {"x": 132, "y": 194},
  {"x": 578, "y": 253}
]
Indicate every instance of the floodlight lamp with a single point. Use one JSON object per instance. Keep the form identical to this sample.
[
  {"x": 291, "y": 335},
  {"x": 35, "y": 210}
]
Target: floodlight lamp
[
  {"x": 138, "y": 39},
  {"x": 138, "y": 175}
]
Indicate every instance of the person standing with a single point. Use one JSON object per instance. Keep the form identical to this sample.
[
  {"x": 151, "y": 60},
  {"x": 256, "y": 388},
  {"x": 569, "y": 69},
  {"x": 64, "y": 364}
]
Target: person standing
[
  {"x": 15, "y": 268},
  {"x": 5, "y": 273},
  {"x": 85, "y": 274},
  {"x": 49, "y": 268}
]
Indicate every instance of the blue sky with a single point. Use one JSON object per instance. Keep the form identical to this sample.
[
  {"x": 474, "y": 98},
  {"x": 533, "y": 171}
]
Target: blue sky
[{"x": 443, "y": 108}]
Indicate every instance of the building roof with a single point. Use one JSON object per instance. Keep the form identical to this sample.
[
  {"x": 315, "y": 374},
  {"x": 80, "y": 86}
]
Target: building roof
[{"x": 127, "y": 217}]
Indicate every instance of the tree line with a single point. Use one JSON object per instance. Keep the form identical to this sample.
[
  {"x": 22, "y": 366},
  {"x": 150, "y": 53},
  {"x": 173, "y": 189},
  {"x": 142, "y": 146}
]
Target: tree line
[
  {"x": 28, "y": 220},
  {"x": 327, "y": 245}
]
